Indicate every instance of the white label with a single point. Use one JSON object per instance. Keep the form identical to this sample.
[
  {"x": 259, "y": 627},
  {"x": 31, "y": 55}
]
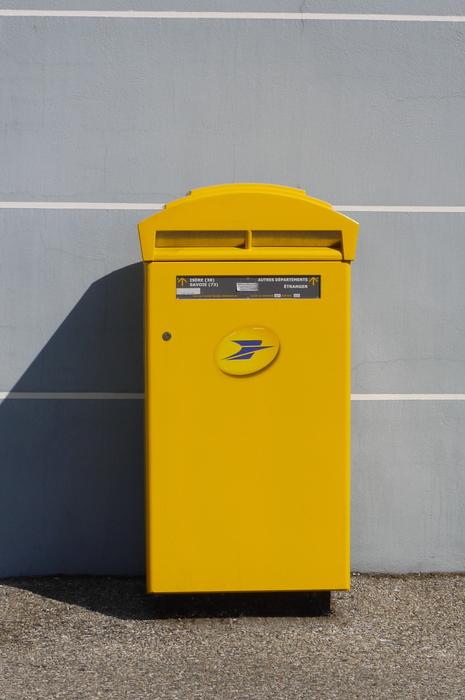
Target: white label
[
  {"x": 247, "y": 286},
  {"x": 188, "y": 290}
]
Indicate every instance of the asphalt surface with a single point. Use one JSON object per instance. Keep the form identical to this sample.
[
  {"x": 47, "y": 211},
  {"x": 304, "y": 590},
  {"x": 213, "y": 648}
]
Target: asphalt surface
[{"x": 390, "y": 637}]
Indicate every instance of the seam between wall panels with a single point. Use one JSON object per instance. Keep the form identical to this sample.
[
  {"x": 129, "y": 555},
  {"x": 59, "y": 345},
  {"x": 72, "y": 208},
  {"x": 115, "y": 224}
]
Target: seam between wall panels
[
  {"x": 156, "y": 206},
  {"x": 279, "y": 16},
  {"x": 122, "y": 396}
]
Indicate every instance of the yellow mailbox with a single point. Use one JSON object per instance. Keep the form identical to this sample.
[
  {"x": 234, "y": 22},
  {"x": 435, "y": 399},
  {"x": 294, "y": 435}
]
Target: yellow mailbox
[{"x": 247, "y": 391}]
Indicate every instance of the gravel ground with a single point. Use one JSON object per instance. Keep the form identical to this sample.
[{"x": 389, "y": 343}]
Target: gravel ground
[{"x": 390, "y": 637}]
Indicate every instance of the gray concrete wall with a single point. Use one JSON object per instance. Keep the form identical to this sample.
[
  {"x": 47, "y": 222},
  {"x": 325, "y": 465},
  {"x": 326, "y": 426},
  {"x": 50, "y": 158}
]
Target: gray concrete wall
[{"x": 124, "y": 110}]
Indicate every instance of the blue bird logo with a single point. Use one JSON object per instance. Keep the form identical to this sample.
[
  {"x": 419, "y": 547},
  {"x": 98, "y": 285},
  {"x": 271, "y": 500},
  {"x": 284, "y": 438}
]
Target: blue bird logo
[{"x": 247, "y": 349}]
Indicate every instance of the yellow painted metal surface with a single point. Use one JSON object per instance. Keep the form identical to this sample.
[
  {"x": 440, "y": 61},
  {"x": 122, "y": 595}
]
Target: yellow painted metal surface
[
  {"x": 248, "y": 475},
  {"x": 238, "y": 219}
]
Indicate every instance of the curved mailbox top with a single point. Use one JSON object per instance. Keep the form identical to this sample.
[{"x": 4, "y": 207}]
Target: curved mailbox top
[{"x": 248, "y": 222}]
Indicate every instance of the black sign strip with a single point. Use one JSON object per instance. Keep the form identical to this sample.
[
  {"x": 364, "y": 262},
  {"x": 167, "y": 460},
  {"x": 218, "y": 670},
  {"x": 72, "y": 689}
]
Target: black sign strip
[{"x": 246, "y": 287}]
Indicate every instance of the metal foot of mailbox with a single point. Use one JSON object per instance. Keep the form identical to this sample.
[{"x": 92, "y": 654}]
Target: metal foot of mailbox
[{"x": 270, "y": 604}]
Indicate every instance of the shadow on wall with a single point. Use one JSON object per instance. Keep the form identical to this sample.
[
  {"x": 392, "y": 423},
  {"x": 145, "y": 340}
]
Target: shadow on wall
[{"x": 71, "y": 496}]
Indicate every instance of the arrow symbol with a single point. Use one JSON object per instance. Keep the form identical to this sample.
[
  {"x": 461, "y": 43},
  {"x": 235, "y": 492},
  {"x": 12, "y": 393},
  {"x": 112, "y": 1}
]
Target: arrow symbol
[
  {"x": 313, "y": 281},
  {"x": 182, "y": 281}
]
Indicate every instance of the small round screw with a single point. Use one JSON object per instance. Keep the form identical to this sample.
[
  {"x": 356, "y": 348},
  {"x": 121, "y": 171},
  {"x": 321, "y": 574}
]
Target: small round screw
[{"x": 166, "y": 335}]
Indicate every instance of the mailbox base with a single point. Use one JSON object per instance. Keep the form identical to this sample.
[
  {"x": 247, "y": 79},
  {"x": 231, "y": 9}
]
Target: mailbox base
[{"x": 249, "y": 604}]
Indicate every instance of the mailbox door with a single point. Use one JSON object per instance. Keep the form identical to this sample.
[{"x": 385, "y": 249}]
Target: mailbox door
[{"x": 247, "y": 474}]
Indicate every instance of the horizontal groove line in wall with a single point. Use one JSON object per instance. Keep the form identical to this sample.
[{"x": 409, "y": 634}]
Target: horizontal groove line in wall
[
  {"x": 155, "y": 206},
  {"x": 125, "y": 206},
  {"x": 407, "y": 209},
  {"x": 70, "y": 395},
  {"x": 408, "y": 397},
  {"x": 171, "y": 14},
  {"x": 108, "y": 396}
]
